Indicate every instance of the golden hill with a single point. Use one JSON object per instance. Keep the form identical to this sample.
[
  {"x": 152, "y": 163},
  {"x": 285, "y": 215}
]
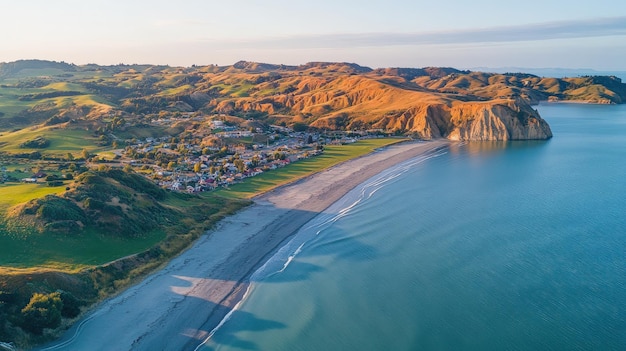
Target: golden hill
[
  {"x": 430, "y": 102},
  {"x": 346, "y": 96}
]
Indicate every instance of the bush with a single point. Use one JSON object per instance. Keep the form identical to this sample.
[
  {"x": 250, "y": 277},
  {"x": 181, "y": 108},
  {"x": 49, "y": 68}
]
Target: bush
[
  {"x": 43, "y": 311},
  {"x": 37, "y": 143},
  {"x": 54, "y": 208},
  {"x": 71, "y": 305}
]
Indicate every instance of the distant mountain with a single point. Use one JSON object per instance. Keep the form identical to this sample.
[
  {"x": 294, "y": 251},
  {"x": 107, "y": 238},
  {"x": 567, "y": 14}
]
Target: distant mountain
[
  {"x": 13, "y": 68},
  {"x": 553, "y": 72}
]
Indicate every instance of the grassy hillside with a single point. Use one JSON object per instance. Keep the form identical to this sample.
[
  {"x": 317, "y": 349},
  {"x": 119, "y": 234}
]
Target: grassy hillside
[
  {"x": 62, "y": 141},
  {"x": 89, "y": 238}
]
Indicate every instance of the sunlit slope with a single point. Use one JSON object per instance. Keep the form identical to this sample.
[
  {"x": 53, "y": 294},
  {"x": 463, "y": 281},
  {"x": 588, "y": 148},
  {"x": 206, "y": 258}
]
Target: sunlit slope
[{"x": 429, "y": 102}]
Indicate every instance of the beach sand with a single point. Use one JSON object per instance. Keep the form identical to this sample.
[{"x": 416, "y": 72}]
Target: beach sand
[{"x": 177, "y": 307}]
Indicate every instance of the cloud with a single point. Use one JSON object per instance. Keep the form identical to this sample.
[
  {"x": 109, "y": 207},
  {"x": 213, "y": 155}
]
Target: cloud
[{"x": 599, "y": 27}]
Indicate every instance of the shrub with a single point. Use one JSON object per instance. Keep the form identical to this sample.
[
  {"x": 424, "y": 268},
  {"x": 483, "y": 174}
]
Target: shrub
[
  {"x": 71, "y": 305},
  {"x": 54, "y": 208},
  {"x": 43, "y": 311},
  {"x": 37, "y": 143}
]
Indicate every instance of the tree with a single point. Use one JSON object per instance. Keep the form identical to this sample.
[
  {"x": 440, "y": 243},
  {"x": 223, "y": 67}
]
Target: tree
[
  {"x": 255, "y": 161},
  {"x": 300, "y": 127},
  {"x": 85, "y": 154},
  {"x": 240, "y": 165},
  {"x": 197, "y": 167},
  {"x": 71, "y": 305},
  {"x": 279, "y": 155},
  {"x": 43, "y": 311}
]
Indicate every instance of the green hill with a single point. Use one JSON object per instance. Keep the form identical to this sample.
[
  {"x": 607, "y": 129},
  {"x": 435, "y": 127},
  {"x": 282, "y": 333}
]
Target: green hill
[{"x": 73, "y": 240}]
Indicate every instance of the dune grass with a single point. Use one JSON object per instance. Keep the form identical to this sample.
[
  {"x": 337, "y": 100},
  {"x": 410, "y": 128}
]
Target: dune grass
[{"x": 333, "y": 155}]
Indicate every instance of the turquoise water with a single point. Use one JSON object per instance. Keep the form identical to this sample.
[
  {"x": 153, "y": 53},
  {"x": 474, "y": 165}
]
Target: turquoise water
[{"x": 482, "y": 246}]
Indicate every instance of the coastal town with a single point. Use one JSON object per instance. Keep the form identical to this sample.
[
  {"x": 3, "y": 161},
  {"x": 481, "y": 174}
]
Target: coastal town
[
  {"x": 211, "y": 153},
  {"x": 226, "y": 154}
]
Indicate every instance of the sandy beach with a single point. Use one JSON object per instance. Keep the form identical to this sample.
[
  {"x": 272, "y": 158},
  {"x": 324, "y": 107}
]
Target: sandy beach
[{"x": 177, "y": 307}]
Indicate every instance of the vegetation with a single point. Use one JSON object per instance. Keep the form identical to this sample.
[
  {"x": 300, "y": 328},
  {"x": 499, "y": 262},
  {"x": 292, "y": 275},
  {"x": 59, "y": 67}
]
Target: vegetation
[
  {"x": 83, "y": 209},
  {"x": 42, "y": 311},
  {"x": 77, "y": 231}
]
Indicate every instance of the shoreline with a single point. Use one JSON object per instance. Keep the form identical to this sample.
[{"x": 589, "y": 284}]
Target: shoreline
[{"x": 180, "y": 305}]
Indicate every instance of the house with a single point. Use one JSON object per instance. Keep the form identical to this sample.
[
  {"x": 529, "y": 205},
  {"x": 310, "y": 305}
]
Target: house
[{"x": 29, "y": 180}]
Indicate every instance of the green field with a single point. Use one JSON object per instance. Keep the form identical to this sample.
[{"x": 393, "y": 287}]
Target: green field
[
  {"x": 10, "y": 105},
  {"x": 333, "y": 154},
  {"x": 69, "y": 253},
  {"x": 62, "y": 141},
  {"x": 13, "y": 194}
]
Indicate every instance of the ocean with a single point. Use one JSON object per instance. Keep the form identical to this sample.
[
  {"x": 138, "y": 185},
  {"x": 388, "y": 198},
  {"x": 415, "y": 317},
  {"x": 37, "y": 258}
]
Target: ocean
[{"x": 478, "y": 246}]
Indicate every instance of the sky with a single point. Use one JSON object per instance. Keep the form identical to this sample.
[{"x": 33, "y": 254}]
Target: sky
[{"x": 391, "y": 33}]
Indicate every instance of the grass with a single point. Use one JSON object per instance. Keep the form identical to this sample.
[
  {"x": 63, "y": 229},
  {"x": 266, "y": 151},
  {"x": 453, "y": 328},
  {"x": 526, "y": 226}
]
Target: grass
[
  {"x": 10, "y": 105},
  {"x": 237, "y": 90},
  {"x": 333, "y": 154},
  {"x": 175, "y": 91},
  {"x": 38, "y": 72},
  {"x": 24, "y": 248},
  {"x": 63, "y": 86},
  {"x": 69, "y": 253},
  {"x": 13, "y": 194},
  {"x": 62, "y": 141}
]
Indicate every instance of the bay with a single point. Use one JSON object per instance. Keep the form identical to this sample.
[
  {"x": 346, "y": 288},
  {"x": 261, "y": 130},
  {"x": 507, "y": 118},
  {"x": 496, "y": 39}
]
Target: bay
[{"x": 482, "y": 246}]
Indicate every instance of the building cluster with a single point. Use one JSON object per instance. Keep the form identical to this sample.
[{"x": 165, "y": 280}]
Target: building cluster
[{"x": 188, "y": 165}]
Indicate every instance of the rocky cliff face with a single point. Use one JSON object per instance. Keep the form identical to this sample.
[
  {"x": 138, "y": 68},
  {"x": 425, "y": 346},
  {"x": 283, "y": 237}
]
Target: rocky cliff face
[
  {"x": 494, "y": 120},
  {"x": 507, "y": 121}
]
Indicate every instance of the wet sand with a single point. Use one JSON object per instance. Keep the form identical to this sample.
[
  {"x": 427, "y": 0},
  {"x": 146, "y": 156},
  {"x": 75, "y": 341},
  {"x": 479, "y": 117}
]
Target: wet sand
[{"x": 177, "y": 307}]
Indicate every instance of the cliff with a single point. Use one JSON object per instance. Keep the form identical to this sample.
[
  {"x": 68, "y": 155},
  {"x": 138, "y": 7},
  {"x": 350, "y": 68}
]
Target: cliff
[{"x": 499, "y": 120}]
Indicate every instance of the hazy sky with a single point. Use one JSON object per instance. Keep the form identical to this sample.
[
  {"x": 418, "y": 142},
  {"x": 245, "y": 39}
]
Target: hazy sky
[{"x": 417, "y": 33}]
